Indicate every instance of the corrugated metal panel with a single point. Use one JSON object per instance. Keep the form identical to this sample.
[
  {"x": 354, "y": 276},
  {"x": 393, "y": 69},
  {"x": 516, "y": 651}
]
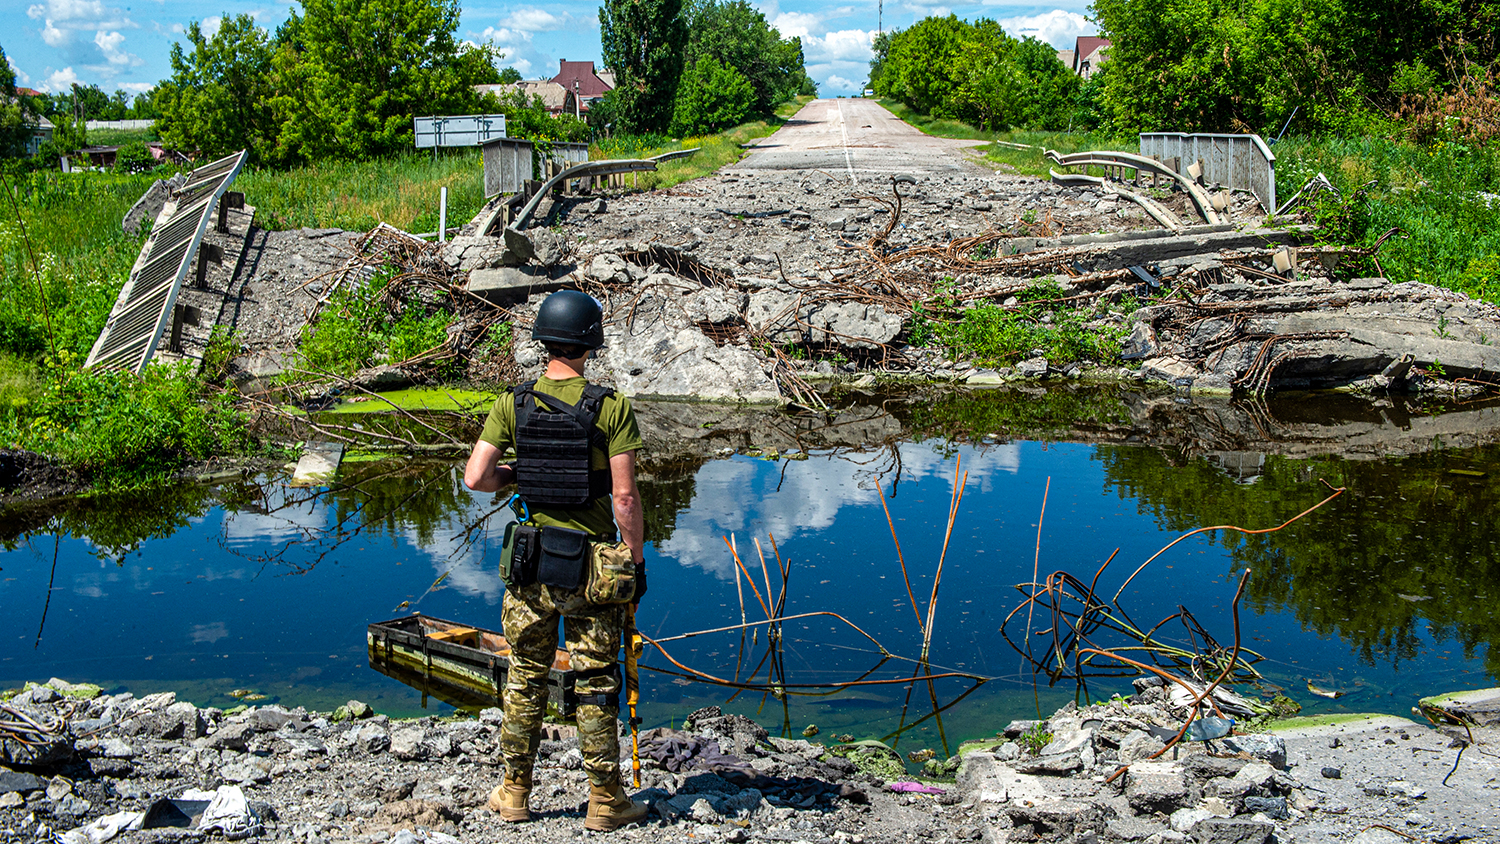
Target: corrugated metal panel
[
  {"x": 144, "y": 308},
  {"x": 1234, "y": 161}
]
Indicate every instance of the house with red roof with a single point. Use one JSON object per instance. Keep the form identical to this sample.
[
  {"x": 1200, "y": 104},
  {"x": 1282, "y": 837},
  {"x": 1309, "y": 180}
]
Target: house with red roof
[{"x": 1089, "y": 53}]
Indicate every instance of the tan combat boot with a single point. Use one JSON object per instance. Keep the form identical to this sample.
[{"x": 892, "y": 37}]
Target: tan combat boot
[
  {"x": 610, "y": 809},
  {"x": 509, "y": 799}
]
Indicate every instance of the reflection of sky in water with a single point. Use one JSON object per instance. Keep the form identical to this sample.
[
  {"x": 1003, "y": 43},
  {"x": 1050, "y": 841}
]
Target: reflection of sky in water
[
  {"x": 239, "y": 600},
  {"x": 732, "y": 496}
]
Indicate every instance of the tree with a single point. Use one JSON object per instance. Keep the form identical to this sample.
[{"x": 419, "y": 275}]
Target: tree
[
  {"x": 922, "y": 65},
  {"x": 217, "y": 100},
  {"x": 879, "y": 50},
  {"x": 735, "y": 34},
  {"x": 18, "y": 118},
  {"x": 711, "y": 96},
  {"x": 352, "y": 74},
  {"x": 643, "y": 42},
  {"x": 509, "y": 76}
]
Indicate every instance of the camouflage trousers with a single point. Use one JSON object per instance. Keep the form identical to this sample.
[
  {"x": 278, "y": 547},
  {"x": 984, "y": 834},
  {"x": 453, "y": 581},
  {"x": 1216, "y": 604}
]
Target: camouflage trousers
[{"x": 592, "y": 633}]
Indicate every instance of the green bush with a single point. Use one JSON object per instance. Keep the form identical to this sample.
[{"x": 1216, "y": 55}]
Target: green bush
[
  {"x": 355, "y": 330},
  {"x": 710, "y": 97},
  {"x": 990, "y": 334},
  {"x": 125, "y": 429}
]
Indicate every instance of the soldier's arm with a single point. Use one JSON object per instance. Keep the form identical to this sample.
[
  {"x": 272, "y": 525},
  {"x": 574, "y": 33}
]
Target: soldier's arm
[
  {"x": 484, "y": 473},
  {"x": 627, "y": 503}
]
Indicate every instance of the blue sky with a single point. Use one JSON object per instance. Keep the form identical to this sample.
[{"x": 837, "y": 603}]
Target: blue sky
[{"x": 58, "y": 42}]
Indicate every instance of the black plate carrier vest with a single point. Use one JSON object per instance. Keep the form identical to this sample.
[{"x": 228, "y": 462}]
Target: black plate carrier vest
[{"x": 553, "y": 448}]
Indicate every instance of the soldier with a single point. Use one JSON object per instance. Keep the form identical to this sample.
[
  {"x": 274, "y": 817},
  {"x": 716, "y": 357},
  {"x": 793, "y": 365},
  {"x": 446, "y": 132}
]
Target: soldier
[{"x": 575, "y": 448}]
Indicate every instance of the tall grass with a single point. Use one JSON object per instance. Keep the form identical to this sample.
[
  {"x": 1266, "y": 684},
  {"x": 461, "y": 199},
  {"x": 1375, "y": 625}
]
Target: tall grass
[
  {"x": 358, "y": 195},
  {"x": 1432, "y": 192},
  {"x": 82, "y": 257}
]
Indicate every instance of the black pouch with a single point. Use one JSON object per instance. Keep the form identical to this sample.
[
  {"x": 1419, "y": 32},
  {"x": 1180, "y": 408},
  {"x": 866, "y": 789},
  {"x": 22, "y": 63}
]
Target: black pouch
[
  {"x": 564, "y": 557},
  {"x": 518, "y": 554}
]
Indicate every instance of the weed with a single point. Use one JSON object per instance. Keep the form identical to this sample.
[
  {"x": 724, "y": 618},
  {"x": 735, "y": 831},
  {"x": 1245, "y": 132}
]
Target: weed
[
  {"x": 1035, "y": 738},
  {"x": 1442, "y": 332},
  {"x": 218, "y": 352},
  {"x": 355, "y": 330}
]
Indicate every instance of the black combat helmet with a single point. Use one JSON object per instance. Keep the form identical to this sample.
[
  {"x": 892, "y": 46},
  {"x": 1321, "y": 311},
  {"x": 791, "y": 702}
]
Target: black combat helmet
[{"x": 572, "y": 318}]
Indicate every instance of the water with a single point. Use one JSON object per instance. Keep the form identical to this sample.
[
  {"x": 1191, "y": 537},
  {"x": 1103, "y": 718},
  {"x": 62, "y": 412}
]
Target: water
[{"x": 1385, "y": 593}]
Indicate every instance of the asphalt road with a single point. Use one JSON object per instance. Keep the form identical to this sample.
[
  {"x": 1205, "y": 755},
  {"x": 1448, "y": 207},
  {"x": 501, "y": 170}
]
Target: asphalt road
[{"x": 857, "y": 138}]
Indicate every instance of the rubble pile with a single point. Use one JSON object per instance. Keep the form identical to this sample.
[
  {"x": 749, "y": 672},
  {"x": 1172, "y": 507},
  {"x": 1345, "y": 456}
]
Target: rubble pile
[{"x": 152, "y": 768}]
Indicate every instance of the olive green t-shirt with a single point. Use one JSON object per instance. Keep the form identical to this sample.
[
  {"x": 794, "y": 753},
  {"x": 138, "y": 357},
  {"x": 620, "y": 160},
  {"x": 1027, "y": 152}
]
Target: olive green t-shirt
[{"x": 616, "y": 420}]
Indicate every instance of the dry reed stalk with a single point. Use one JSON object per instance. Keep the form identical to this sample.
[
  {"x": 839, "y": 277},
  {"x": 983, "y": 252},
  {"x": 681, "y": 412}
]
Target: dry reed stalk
[{"x": 958, "y": 497}]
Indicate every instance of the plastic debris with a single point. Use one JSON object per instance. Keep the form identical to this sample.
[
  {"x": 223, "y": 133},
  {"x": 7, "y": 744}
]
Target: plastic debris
[
  {"x": 104, "y": 828},
  {"x": 228, "y": 812},
  {"x": 1209, "y": 727},
  {"x": 914, "y": 788}
]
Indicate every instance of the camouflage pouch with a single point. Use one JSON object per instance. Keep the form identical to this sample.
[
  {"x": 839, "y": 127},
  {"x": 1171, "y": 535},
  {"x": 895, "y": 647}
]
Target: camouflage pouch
[{"x": 611, "y": 574}]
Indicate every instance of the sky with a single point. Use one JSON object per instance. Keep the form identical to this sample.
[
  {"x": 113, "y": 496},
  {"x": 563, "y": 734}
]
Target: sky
[{"x": 55, "y": 43}]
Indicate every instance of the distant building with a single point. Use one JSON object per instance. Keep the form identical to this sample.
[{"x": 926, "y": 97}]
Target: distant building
[
  {"x": 40, "y": 134},
  {"x": 1088, "y": 55},
  {"x": 556, "y": 98},
  {"x": 580, "y": 78},
  {"x": 1066, "y": 57},
  {"x": 42, "y": 131}
]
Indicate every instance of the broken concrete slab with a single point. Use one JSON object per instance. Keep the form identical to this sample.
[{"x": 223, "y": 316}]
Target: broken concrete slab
[
  {"x": 319, "y": 464},
  {"x": 507, "y": 285}
]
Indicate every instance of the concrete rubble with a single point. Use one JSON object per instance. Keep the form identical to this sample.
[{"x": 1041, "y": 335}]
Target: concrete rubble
[
  {"x": 704, "y": 281},
  {"x": 353, "y": 775}
]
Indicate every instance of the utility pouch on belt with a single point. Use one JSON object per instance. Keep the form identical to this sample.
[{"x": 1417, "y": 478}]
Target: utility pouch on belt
[
  {"x": 564, "y": 557},
  {"x": 518, "y": 555},
  {"x": 611, "y": 574}
]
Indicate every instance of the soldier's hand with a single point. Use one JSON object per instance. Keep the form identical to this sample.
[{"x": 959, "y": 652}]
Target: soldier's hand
[{"x": 640, "y": 581}]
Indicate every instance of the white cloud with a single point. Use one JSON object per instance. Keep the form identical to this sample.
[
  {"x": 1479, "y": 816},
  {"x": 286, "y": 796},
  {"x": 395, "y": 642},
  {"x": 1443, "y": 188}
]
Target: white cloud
[
  {"x": 796, "y": 24},
  {"x": 52, "y": 36},
  {"x": 844, "y": 45},
  {"x": 109, "y": 45},
  {"x": 1057, "y": 27},
  {"x": 210, "y": 25},
  {"x": 137, "y": 87},
  {"x": 60, "y": 80},
  {"x": 517, "y": 46},
  {"x": 533, "y": 19},
  {"x": 21, "y": 76},
  {"x": 838, "y": 83}
]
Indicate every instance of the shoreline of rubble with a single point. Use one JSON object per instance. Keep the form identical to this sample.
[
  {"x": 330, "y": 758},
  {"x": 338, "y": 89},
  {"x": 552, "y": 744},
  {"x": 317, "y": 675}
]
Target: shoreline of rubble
[{"x": 356, "y": 776}]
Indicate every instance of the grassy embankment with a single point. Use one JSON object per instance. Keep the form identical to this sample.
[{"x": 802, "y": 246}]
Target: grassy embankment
[{"x": 125, "y": 430}]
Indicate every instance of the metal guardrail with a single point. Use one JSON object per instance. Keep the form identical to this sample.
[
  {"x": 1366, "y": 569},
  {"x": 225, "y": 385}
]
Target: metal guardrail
[
  {"x": 143, "y": 309},
  {"x": 673, "y": 155},
  {"x": 1139, "y": 163},
  {"x": 1242, "y": 162},
  {"x": 462, "y": 130},
  {"x": 518, "y": 242}
]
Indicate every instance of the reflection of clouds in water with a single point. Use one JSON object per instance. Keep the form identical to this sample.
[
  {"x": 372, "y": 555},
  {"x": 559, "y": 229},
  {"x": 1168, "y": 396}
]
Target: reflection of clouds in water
[
  {"x": 208, "y": 633},
  {"x": 473, "y": 572},
  {"x": 726, "y": 499},
  {"x": 286, "y": 519}
]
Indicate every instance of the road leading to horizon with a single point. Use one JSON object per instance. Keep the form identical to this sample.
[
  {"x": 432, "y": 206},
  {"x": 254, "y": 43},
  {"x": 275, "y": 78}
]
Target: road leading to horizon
[{"x": 856, "y": 138}]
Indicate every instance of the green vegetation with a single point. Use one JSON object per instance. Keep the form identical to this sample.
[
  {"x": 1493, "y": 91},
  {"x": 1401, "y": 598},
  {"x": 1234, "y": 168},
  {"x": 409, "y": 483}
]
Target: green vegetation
[
  {"x": 990, "y": 334},
  {"x": 976, "y": 73},
  {"x": 356, "y": 330},
  {"x": 301, "y": 94},
  {"x": 1035, "y": 738},
  {"x": 1354, "y": 67},
  {"x": 711, "y": 96},
  {"x": 969, "y": 417},
  {"x": 82, "y": 258},
  {"x": 123, "y": 429},
  {"x": 16, "y": 113},
  {"x": 643, "y": 41},
  {"x": 695, "y": 67},
  {"x": 357, "y": 195}
]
